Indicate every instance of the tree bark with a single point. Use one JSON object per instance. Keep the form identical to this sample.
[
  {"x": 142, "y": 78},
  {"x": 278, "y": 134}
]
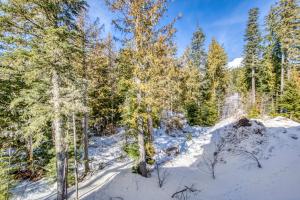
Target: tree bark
[
  {"x": 59, "y": 139},
  {"x": 150, "y": 124},
  {"x": 142, "y": 167},
  {"x": 30, "y": 150},
  {"x": 85, "y": 143},
  {"x": 282, "y": 74},
  {"x": 85, "y": 120},
  {"x": 253, "y": 98},
  {"x": 75, "y": 156}
]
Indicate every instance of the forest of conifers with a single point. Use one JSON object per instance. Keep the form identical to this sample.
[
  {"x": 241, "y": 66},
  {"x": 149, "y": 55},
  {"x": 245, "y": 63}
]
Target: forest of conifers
[{"x": 62, "y": 80}]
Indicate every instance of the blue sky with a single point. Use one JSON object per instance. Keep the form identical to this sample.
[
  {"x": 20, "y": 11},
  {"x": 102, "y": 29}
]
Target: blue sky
[{"x": 223, "y": 19}]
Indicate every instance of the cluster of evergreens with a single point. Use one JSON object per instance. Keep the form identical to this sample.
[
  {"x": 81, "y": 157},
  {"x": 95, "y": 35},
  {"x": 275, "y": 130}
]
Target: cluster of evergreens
[
  {"x": 269, "y": 78},
  {"x": 61, "y": 81}
]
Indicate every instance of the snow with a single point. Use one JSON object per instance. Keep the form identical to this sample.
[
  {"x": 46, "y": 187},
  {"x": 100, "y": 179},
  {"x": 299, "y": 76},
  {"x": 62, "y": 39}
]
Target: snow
[
  {"x": 232, "y": 106},
  {"x": 235, "y": 63},
  {"x": 275, "y": 142}
]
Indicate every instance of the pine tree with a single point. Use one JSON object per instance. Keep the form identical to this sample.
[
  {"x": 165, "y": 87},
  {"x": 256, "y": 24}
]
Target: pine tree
[
  {"x": 46, "y": 31},
  {"x": 216, "y": 82},
  {"x": 290, "y": 100},
  {"x": 84, "y": 44},
  {"x": 288, "y": 32},
  {"x": 197, "y": 52},
  {"x": 282, "y": 23},
  {"x": 140, "y": 19},
  {"x": 191, "y": 88},
  {"x": 268, "y": 73},
  {"x": 252, "y": 51},
  {"x": 194, "y": 59}
]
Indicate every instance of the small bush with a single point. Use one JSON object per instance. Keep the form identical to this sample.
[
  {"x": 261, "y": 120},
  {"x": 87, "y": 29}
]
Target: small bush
[
  {"x": 132, "y": 150},
  {"x": 174, "y": 123},
  {"x": 192, "y": 113},
  {"x": 254, "y": 112},
  {"x": 150, "y": 161}
]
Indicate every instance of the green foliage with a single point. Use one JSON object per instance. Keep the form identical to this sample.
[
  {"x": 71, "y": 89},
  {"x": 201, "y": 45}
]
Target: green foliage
[
  {"x": 253, "y": 45},
  {"x": 208, "y": 113},
  {"x": 215, "y": 84},
  {"x": 254, "y": 112},
  {"x": 6, "y": 177},
  {"x": 132, "y": 150},
  {"x": 150, "y": 151},
  {"x": 198, "y": 54},
  {"x": 192, "y": 113},
  {"x": 290, "y": 100}
]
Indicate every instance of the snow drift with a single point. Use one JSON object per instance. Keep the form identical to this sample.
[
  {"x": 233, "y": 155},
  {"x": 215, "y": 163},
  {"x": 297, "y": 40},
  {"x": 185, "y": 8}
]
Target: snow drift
[{"x": 274, "y": 143}]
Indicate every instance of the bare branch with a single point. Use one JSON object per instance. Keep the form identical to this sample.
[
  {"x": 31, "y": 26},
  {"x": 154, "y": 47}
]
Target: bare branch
[
  {"x": 183, "y": 194},
  {"x": 161, "y": 177}
]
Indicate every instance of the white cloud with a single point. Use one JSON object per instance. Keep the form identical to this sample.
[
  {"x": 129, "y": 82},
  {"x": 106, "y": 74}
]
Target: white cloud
[{"x": 235, "y": 63}]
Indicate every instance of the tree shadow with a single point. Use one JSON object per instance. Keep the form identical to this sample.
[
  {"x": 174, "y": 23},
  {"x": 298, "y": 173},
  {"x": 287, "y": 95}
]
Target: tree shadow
[{"x": 135, "y": 187}]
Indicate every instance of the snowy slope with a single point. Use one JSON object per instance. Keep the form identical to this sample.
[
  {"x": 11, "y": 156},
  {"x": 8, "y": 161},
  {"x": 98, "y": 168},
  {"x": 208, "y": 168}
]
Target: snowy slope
[
  {"x": 236, "y": 178},
  {"x": 276, "y": 145},
  {"x": 235, "y": 63}
]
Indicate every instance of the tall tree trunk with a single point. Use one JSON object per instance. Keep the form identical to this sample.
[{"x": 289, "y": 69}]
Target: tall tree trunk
[
  {"x": 85, "y": 121},
  {"x": 150, "y": 124},
  {"x": 253, "y": 98},
  {"x": 9, "y": 167},
  {"x": 142, "y": 167},
  {"x": 85, "y": 143},
  {"x": 282, "y": 74},
  {"x": 75, "y": 156},
  {"x": 59, "y": 139},
  {"x": 30, "y": 150}
]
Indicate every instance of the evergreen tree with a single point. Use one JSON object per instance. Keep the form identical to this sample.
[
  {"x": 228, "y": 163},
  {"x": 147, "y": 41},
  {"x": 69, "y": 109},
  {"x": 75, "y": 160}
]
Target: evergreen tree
[
  {"x": 215, "y": 85},
  {"x": 41, "y": 35},
  {"x": 285, "y": 23},
  {"x": 288, "y": 32},
  {"x": 252, "y": 51},
  {"x": 191, "y": 88},
  {"x": 140, "y": 19},
  {"x": 197, "y": 51},
  {"x": 194, "y": 59},
  {"x": 290, "y": 100}
]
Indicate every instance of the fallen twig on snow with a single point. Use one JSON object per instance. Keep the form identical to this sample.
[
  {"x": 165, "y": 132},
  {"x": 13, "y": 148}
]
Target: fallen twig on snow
[{"x": 182, "y": 194}]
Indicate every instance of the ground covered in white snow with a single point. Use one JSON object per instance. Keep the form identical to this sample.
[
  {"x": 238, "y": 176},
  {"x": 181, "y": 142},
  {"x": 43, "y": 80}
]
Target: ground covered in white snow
[{"x": 275, "y": 143}]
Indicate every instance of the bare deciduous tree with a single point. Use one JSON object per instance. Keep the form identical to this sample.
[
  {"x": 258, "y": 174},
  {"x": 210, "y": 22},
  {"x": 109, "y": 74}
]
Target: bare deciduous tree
[
  {"x": 250, "y": 155},
  {"x": 161, "y": 176},
  {"x": 211, "y": 160}
]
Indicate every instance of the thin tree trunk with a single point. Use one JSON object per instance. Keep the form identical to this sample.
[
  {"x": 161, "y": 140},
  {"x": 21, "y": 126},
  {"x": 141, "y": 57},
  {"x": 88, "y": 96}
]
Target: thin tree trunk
[
  {"x": 150, "y": 124},
  {"x": 59, "y": 139},
  {"x": 30, "y": 149},
  {"x": 253, "y": 98},
  {"x": 85, "y": 144},
  {"x": 75, "y": 156},
  {"x": 85, "y": 121},
  {"x": 82, "y": 22},
  {"x": 142, "y": 167},
  {"x": 9, "y": 166},
  {"x": 142, "y": 155},
  {"x": 282, "y": 74},
  {"x": 67, "y": 157}
]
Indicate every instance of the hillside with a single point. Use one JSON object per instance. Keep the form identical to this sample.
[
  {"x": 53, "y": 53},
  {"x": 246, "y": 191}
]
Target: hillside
[{"x": 274, "y": 142}]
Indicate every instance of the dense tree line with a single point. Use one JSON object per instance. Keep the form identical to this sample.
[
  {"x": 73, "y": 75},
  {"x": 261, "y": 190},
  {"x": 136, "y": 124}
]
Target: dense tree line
[
  {"x": 271, "y": 62},
  {"x": 62, "y": 80}
]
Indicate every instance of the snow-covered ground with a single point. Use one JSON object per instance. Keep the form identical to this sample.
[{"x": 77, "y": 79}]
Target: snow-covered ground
[{"x": 274, "y": 142}]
